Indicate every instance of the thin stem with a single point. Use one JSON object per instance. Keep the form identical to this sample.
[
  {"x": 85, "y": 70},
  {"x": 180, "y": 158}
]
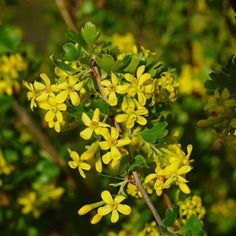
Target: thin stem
[
  {"x": 147, "y": 199},
  {"x": 167, "y": 201},
  {"x": 65, "y": 14},
  {"x": 97, "y": 77}
]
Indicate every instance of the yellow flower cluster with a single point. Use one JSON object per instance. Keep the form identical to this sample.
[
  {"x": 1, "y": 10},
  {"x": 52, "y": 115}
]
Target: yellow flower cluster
[
  {"x": 191, "y": 206},
  {"x": 167, "y": 86},
  {"x": 106, "y": 206},
  {"x": 174, "y": 167},
  {"x": 150, "y": 230},
  {"x": 52, "y": 97},
  {"x": 224, "y": 209},
  {"x": 126, "y": 44},
  {"x": 43, "y": 195},
  {"x": 10, "y": 68},
  {"x": 188, "y": 84}
]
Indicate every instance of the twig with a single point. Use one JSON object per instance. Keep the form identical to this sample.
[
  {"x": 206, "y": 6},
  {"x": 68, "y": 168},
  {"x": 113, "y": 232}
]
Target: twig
[
  {"x": 167, "y": 201},
  {"x": 98, "y": 80},
  {"x": 42, "y": 140},
  {"x": 65, "y": 14},
  {"x": 147, "y": 199}
]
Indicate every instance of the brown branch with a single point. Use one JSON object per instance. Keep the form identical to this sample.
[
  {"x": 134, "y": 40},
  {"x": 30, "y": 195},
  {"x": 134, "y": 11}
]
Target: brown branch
[
  {"x": 41, "y": 139},
  {"x": 97, "y": 77},
  {"x": 147, "y": 199},
  {"x": 65, "y": 14},
  {"x": 167, "y": 201}
]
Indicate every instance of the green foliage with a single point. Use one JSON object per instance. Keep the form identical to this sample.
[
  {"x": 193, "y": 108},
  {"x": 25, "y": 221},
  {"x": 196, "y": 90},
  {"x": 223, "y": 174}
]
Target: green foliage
[
  {"x": 89, "y": 33},
  {"x": 193, "y": 227},
  {"x": 72, "y": 52},
  {"x": 9, "y": 39},
  {"x": 170, "y": 217},
  {"x": 158, "y": 131},
  {"x": 138, "y": 163},
  {"x": 224, "y": 79}
]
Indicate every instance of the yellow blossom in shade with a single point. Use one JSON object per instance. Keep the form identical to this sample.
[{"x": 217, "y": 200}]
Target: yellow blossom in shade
[
  {"x": 70, "y": 88},
  {"x": 12, "y": 65},
  {"x": 167, "y": 84},
  {"x": 133, "y": 191},
  {"x": 142, "y": 86},
  {"x": 112, "y": 143},
  {"x": 111, "y": 87},
  {"x": 94, "y": 125},
  {"x": 133, "y": 112},
  {"x": 31, "y": 95},
  {"x": 5, "y": 168},
  {"x": 53, "y": 116},
  {"x": 44, "y": 90},
  {"x": 29, "y": 202},
  {"x": 191, "y": 206},
  {"x": 79, "y": 162},
  {"x": 150, "y": 230},
  {"x": 113, "y": 206}
]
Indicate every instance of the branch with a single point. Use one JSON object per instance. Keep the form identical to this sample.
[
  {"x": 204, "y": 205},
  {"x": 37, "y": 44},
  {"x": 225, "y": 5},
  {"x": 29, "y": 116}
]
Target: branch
[
  {"x": 65, "y": 14},
  {"x": 147, "y": 199},
  {"x": 167, "y": 201},
  {"x": 42, "y": 140},
  {"x": 97, "y": 77}
]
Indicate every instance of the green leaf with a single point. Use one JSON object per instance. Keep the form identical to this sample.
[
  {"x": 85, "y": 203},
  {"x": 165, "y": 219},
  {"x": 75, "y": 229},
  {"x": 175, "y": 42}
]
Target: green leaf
[
  {"x": 76, "y": 112},
  {"x": 132, "y": 66},
  {"x": 170, "y": 217},
  {"x": 89, "y": 33},
  {"x": 72, "y": 53},
  {"x": 139, "y": 162},
  {"x": 106, "y": 63},
  {"x": 193, "y": 227},
  {"x": 158, "y": 131},
  {"x": 72, "y": 36},
  {"x": 9, "y": 39},
  {"x": 11, "y": 155},
  {"x": 102, "y": 105},
  {"x": 62, "y": 65}
]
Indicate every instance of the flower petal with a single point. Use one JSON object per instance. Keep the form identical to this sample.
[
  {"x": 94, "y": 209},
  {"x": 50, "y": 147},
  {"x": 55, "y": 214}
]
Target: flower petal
[
  {"x": 86, "y": 133},
  {"x": 124, "y": 209},
  {"x": 106, "y": 197},
  {"x": 114, "y": 216}
]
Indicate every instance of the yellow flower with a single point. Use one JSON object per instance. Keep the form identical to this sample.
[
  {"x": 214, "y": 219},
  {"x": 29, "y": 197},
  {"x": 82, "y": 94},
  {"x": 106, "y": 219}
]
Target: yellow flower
[
  {"x": 113, "y": 206},
  {"x": 131, "y": 114},
  {"x": 11, "y": 65},
  {"x": 177, "y": 165},
  {"x": 113, "y": 144},
  {"x": 54, "y": 116},
  {"x": 142, "y": 86},
  {"x": 110, "y": 88},
  {"x": 29, "y": 202},
  {"x": 46, "y": 90},
  {"x": 31, "y": 95},
  {"x": 5, "y": 168},
  {"x": 70, "y": 88},
  {"x": 79, "y": 162},
  {"x": 94, "y": 125}
]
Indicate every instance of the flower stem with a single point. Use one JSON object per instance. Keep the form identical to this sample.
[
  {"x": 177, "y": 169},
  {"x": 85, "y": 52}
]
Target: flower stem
[{"x": 147, "y": 199}]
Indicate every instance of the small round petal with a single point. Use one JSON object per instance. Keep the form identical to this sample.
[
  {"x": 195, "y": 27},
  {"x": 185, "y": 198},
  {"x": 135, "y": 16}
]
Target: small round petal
[
  {"x": 85, "y": 209},
  {"x": 114, "y": 216},
  {"x": 122, "y": 142},
  {"x": 140, "y": 70},
  {"x": 75, "y": 99},
  {"x": 57, "y": 127},
  {"x": 119, "y": 199},
  {"x": 104, "y": 210},
  {"x": 150, "y": 177},
  {"x": 112, "y": 99},
  {"x": 141, "y": 120},
  {"x": 184, "y": 169},
  {"x": 106, "y": 197},
  {"x": 74, "y": 155},
  {"x": 96, "y": 115},
  {"x": 106, "y": 158},
  {"x": 45, "y": 79},
  {"x": 184, "y": 188},
  {"x": 120, "y": 118},
  {"x": 105, "y": 145},
  {"x": 49, "y": 116},
  {"x": 86, "y": 133},
  {"x": 106, "y": 83},
  {"x": 59, "y": 117},
  {"x": 84, "y": 166},
  {"x": 62, "y": 96},
  {"x": 114, "y": 133},
  {"x": 86, "y": 120},
  {"x": 73, "y": 164},
  {"x": 124, "y": 209},
  {"x": 96, "y": 219},
  {"x": 114, "y": 79}
]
